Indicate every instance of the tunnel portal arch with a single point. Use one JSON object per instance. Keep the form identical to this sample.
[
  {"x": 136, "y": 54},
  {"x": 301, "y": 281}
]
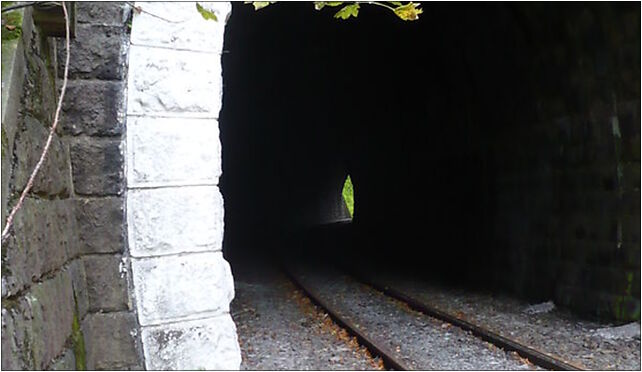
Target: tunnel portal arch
[
  {"x": 182, "y": 285},
  {"x": 492, "y": 198}
]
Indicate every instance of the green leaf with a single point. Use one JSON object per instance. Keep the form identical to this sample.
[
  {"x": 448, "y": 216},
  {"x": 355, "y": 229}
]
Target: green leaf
[
  {"x": 348, "y": 11},
  {"x": 318, "y": 5},
  {"x": 207, "y": 14},
  {"x": 395, "y": 3},
  {"x": 261, "y": 4},
  {"x": 408, "y": 12}
]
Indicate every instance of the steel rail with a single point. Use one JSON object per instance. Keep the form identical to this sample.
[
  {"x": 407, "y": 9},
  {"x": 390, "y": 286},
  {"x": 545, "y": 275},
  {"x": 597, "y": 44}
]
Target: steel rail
[
  {"x": 384, "y": 353},
  {"x": 536, "y": 357}
]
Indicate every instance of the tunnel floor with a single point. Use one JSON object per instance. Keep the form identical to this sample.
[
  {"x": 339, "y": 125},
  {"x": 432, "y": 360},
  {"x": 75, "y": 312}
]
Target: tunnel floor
[{"x": 279, "y": 328}]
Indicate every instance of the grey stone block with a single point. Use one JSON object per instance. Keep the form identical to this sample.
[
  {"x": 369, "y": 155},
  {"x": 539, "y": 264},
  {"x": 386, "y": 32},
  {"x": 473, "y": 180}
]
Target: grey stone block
[
  {"x": 97, "y": 52},
  {"x": 106, "y": 289},
  {"x": 52, "y": 307},
  {"x": 94, "y": 108},
  {"x": 97, "y": 166},
  {"x": 79, "y": 281},
  {"x": 101, "y": 224},
  {"x": 65, "y": 362},
  {"x": 110, "y": 341},
  {"x": 39, "y": 98},
  {"x": 41, "y": 242},
  {"x": 40, "y": 323},
  {"x": 12, "y": 79},
  {"x": 53, "y": 177},
  {"x": 12, "y": 357},
  {"x": 102, "y": 13}
]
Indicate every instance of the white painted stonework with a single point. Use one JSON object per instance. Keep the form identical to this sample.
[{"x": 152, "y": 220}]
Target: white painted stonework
[
  {"x": 165, "y": 289},
  {"x": 162, "y": 222},
  {"x": 174, "y": 151},
  {"x": 171, "y": 85},
  {"x": 191, "y": 343},
  {"x": 182, "y": 284}
]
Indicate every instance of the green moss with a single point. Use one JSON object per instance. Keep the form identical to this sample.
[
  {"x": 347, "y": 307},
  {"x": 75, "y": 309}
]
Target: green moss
[
  {"x": 626, "y": 309},
  {"x": 11, "y": 25},
  {"x": 629, "y": 285},
  {"x": 78, "y": 342}
]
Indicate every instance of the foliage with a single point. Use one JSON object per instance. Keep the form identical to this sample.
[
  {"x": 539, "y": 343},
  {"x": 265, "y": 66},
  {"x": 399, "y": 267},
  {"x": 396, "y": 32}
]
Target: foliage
[
  {"x": 11, "y": 23},
  {"x": 408, "y": 12},
  {"x": 260, "y": 4},
  {"x": 348, "y": 11},
  {"x": 206, "y": 13}
]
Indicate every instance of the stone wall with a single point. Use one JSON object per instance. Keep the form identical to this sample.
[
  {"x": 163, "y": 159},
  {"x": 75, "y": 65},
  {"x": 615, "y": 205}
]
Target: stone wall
[
  {"x": 566, "y": 180},
  {"x": 44, "y": 292},
  {"x": 66, "y": 303},
  {"x": 94, "y": 121}
]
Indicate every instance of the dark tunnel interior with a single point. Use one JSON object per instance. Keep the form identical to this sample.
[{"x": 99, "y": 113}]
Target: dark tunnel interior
[{"x": 494, "y": 145}]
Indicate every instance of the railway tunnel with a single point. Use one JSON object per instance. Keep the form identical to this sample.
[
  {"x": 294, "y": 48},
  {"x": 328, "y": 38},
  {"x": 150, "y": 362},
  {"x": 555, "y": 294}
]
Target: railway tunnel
[
  {"x": 493, "y": 145},
  {"x": 493, "y": 148}
]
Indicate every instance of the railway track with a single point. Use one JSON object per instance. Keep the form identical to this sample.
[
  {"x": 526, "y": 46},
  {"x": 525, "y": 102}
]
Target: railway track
[{"x": 391, "y": 359}]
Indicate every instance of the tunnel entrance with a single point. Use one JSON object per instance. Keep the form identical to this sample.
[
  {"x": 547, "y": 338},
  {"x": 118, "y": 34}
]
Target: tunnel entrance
[{"x": 492, "y": 146}]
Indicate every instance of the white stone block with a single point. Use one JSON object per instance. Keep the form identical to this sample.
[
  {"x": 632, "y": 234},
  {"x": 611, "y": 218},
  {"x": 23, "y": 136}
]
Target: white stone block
[
  {"x": 172, "y": 151},
  {"x": 183, "y": 27},
  {"x": 205, "y": 344},
  {"x": 181, "y": 287},
  {"x": 174, "y": 83},
  {"x": 174, "y": 220}
]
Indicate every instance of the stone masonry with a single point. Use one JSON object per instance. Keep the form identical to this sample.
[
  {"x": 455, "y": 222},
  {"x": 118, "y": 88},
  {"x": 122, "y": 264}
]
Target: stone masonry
[
  {"x": 94, "y": 120},
  {"x": 567, "y": 184},
  {"x": 44, "y": 293},
  {"x": 78, "y": 289},
  {"x": 183, "y": 285},
  {"x": 65, "y": 297}
]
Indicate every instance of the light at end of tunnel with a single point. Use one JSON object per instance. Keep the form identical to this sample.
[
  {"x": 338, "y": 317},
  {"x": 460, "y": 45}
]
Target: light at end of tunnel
[{"x": 348, "y": 195}]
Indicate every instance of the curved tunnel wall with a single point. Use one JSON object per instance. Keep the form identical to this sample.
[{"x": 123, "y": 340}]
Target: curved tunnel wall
[{"x": 494, "y": 145}]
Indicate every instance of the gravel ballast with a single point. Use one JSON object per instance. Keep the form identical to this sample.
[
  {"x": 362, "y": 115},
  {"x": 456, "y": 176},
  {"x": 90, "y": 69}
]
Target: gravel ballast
[
  {"x": 421, "y": 342},
  {"x": 541, "y": 326},
  {"x": 279, "y": 329}
]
